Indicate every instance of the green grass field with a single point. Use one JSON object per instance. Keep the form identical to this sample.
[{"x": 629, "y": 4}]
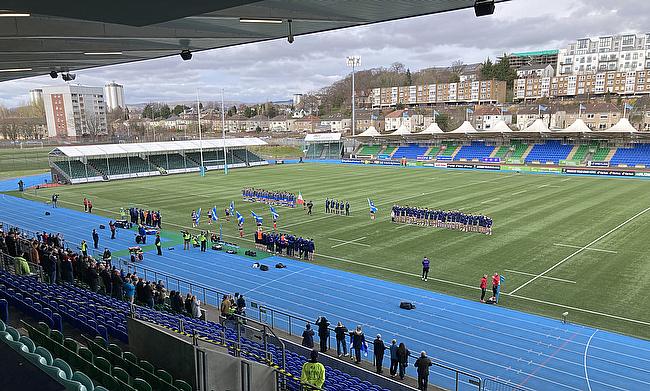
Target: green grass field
[
  {"x": 543, "y": 224},
  {"x": 18, "y": 162}
]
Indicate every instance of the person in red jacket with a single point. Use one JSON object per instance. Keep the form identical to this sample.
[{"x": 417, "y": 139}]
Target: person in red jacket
[
  {"x": 495, "y": 284},
  {"x": 483, "y": 287}
]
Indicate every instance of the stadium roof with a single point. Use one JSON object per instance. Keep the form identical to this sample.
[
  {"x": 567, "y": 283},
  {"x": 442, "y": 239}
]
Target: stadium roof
[
  {"x": 536, "y": 53},
  {"x": 538, "y": 126},
  {"x": 577, "y": 127},
  {"x": 75, "y": 34},
  {"x": 167, "y": 146},
  {"x": 370, "y": 132},
  {"x": 431, "y": 129},
  {"x": 401, "y": 131},
  {"x": 465, "y": 128},
  {"x": 499, "y": 127},
  {"x": 622, "y": 126}
]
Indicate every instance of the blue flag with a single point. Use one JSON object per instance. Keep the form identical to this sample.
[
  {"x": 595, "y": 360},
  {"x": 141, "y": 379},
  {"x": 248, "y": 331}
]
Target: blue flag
[
  {"x": 582, "y": 107},
  {"x": 543, "y": 108},
  {"x": 214, "y": 214},
  {"x": 274, "y": 213},
  {"x": 240, "y": 218},
  {"x": 628, "y": 106},
  {"x": 198, "y": 215},
  {"x": 469, "y": 111},
  {"x": 232, "y": 207},
  {"x": 257, "y": 218},
  {"x": 373, "y": 208}
]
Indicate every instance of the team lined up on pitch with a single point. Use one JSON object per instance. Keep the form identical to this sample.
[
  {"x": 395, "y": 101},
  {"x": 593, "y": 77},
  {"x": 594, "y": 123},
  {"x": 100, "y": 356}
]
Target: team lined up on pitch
[
  {"x": 272, "y": 197},
  {"x": 441, "y": 219}
]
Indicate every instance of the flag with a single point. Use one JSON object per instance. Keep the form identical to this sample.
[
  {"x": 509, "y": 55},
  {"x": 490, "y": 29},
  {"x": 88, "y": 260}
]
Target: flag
[
  {"x": 274, "y": 213},
  {"x": 469, "y": 111},
  {"x": 543, "y": 108},
  {"x": 198, "y": 215},
  {"x": 373, "y": 208},
  {"x": 214, "y": 213},
  {"x": 232, "y": 207},
  {"x": 582, "y": 107},
  {"x": 240, "y": 218},
  {"x": 628, "y": 106},
  {"x": 501, "y": 280},
  {"x": 300, "y": 201},
  {"x": 435, "y": 113},
  {"x": 257, "y": 218}
]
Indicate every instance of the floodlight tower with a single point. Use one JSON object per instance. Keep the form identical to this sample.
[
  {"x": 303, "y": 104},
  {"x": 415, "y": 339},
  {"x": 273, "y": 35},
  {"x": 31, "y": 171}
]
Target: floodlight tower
[{"x": 353, "y": 61}]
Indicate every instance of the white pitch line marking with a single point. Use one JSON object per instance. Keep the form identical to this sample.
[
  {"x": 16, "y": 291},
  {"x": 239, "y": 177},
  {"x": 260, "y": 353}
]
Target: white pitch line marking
[
  {"x": 549, "y": 278},
  {"x": 353, "y": 241},
  {"x": 490, "y": 200},
  {"x": 519, "y": 192},
  {"x": 585, "y": 359},
  {"x": 581, "y": 249},
  {"x": 592, "y": 249}
]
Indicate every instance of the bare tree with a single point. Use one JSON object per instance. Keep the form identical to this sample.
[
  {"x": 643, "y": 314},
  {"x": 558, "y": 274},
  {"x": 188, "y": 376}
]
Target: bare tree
[
  {"x": 457, "y": 67},
  {"x": 94, "y": 125}
]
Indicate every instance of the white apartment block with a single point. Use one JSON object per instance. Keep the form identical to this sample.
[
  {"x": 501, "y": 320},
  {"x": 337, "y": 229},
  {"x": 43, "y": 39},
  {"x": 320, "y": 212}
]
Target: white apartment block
[
  {"x": 114, "y": 94},
  {"x": 74, "y": 110},
  {"x": 621, "y": 53}
]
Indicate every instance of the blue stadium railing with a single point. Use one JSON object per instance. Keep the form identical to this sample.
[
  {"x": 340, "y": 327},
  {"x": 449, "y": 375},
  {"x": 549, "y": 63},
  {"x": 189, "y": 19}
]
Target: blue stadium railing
[{"x": 274, "y": 317}]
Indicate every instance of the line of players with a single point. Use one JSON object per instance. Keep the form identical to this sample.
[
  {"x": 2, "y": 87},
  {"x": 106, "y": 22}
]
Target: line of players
[
  {"x": 442, "y": 219},
  {"x": 337, "y": 207},
  {"x": 280, "y": 198},
  {"x": 289, "y": 245}
]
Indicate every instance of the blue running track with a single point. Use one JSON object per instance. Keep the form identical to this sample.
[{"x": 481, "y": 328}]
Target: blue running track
[{"x": 534, "y": 352}]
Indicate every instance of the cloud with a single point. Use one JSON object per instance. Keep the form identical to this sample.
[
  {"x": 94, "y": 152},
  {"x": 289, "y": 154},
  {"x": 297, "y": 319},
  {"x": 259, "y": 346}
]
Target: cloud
[{"x": 275, "y": 70}]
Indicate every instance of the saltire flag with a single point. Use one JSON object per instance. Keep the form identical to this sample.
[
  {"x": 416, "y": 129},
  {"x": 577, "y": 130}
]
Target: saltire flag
[
  {"x": 582, "y": 107},
  {"x": 543, "y": 108},
  {"x": 198, "y": 215},
  {"x": 373, "y": 208},
  {"x": 628, "y": 106},
  {"x": 257, "y": 218},
  {"x": 469, "y": 111},
  {"x": 435, "y": 113},
  {"x": 214, "y": 213},
  {"x": 232, "y": 207},
  {"x": 274, "y": 213},
  {"x": 240, "y": 218},
  {"x": 501, "y": 280},
  {"x": 300, "y": 200}
]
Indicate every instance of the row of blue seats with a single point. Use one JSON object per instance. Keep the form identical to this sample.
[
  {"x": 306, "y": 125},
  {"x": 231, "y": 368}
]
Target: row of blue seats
[
  {"x": 637, "y": 154},
  {"x": 476, "y": 150},
  {"x": 93, "y": 307},
  {"x": 551, "y": 151},
  {"x": 410, "y": 151}
]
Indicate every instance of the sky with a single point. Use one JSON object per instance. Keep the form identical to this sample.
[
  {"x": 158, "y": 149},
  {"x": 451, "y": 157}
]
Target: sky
[{"x": 275, "y": 70}]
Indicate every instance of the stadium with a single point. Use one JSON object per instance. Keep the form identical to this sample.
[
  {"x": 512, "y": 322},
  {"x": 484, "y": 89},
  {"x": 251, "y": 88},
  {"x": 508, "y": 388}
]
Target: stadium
[{"x": 470, "y": 259}]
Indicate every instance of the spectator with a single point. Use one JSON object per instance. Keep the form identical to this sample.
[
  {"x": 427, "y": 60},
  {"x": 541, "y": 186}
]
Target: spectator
[
  {"x": 148, "y": 294},
  {"x": 226, "y": 307},
  {"x": 422, "y": 364},
  {"x": 67, "y": 274},
  {"x": 107, "y": 258},
  {"x": 188, "y": 303},
  {"x": 241, "y": 305},
  {"x": 129, "y": 290},
  {"x": 483, "y": 287},
  {"x": 106, "y": 280},
  {"x": 323, "y": 332},
  {"x": 93, "y": 278},
  {"x": 308, "y": 337},
  {"x": 312, "y": 376},
  {"x": 118, "y": 285},
  {"x": 341, "y": 332},
  {"x": 379, "y": 349},
  {"x": 52, "y": 261},
  {"x": 393, "y": 358},
  {"x": 95, "y": 239},
  {"x": 358, "y": 340},
  {"x": 22, "y": 267},
  {"x": 196, "y": 307},
  {"x": 496, "y": 280},
  {"x": 402, "y": 359}
]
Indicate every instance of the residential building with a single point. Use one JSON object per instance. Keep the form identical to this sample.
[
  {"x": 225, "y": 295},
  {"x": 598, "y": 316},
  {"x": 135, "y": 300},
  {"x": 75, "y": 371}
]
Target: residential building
[
  {"x": 470, "y": 72},
  {"x": 535, "y": 70},
  {"x": 114, "y": 94},
  {"x": 412, "y": 121},
  {"x": 525, "y": 116},
  {"x": 259, "y": 121},
  {"x": 620, "y": 83},
  {"x": 597, "y": 116},
  {"x": 336, "y": 123},
  {"x": 621, "y": 53},
  {"x": 305, "y": 124},
  {"x": 297, "y": 99},
  {"x": 540, "y": 57},
  {"x": 366, "y": 118},
  {"x": 483, "y": 91},
  {"x": 279, "y": 123},
  {"x": 35, "y": 96},
  {"x": 486, "y": 116},
  {"x": 74, "y": 110}
]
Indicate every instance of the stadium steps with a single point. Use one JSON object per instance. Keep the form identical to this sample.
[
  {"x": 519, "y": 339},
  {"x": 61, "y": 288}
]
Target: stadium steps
[
  {"x": 389, "y": 150},
  {"x": 453, "y": 155},
  {"x": 59, "y": 171},
  {"x": 433, "y": 151},
  {"x": 369, "y": 150},
  {"x": 578, "y": 152},
  {"x": 526, "y": 152},
  {"x": 611, "y": 154}
]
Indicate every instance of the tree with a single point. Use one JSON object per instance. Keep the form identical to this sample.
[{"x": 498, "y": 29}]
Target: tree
[
  {"x": 178, "y": 109},
  {"x": 93, "y": 125},
  {"x": 457, "y": 67},
  {"x": 487, "y": 70},
  {"x": 443, "y": 121},
  {"x": 148, "y": 111},
  {"x": 165, "y": 112},
  {"x": 249, "y": 112},
  {"x": 409, "y": 78}
]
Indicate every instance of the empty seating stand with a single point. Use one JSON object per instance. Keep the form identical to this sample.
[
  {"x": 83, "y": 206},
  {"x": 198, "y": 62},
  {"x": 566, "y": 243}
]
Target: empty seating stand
[
  {"x": 369, "y": 150},
  {"x": 476, "y": 150},
  {"x": 637, "y": 154},
  {"x": 75, "y": 169},
  {"x": 410, "y": 152},
  {"x": 550, "y": 152}
]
